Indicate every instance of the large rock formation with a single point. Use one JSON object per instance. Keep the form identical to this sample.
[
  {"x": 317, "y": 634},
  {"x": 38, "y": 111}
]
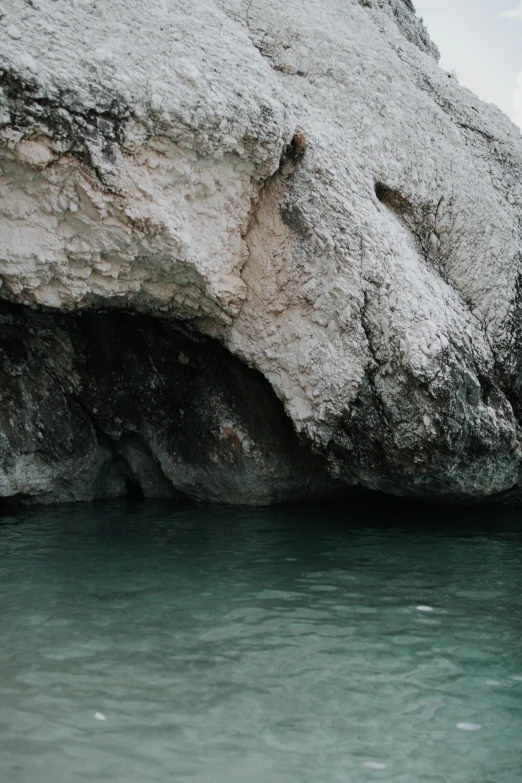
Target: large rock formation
[{"x": 299, "y": 182}]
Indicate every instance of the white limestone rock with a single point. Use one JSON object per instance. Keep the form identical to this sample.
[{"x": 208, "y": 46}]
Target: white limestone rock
[{"x": 301, "y": 181}]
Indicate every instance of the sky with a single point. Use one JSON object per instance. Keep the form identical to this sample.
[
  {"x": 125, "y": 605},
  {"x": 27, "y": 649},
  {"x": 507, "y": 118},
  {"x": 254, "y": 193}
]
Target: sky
[{"x": 482, "y": 41}]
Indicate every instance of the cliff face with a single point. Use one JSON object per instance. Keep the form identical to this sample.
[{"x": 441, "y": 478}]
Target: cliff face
[{"x": 301, "y": 183}]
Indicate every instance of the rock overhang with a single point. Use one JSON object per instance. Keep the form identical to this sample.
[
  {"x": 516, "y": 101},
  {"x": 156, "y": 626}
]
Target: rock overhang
[{"x": 373, "y": 279}]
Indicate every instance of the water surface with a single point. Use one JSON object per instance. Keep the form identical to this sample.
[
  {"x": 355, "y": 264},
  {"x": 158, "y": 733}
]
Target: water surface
[{"x": 151, "y": 642}]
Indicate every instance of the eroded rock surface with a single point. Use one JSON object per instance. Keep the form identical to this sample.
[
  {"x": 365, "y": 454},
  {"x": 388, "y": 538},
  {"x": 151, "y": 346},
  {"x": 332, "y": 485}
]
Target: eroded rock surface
[{"x": 302, "y": 183}]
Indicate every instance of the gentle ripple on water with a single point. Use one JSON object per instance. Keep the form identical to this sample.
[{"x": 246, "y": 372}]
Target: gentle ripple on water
[{"x": 151, "y": 642}]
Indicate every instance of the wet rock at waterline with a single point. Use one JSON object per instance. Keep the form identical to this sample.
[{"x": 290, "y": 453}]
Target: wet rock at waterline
[{"x": 303, "y": 185}]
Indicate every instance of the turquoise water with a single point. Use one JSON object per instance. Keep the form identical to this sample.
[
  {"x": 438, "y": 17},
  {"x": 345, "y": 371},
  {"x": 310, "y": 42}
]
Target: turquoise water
[{"x": 151, "y": 642}]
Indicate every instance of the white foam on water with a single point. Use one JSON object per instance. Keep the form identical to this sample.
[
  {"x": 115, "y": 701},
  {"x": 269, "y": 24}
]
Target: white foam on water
[
  {"x": 374, "y": 765},
  {"x": 469, "y": 726},
  {"x": 424, "y": 608},
  {"x": 100, "y": 716}
]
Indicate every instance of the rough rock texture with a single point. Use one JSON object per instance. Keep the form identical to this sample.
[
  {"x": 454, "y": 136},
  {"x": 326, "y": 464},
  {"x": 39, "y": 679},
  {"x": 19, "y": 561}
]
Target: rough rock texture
[{"x": 301, "y": 182}]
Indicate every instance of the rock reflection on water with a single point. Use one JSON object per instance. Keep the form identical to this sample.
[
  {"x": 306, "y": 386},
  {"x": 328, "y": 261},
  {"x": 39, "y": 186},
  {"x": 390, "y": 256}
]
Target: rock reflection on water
[{"x": 152, "y": 642}]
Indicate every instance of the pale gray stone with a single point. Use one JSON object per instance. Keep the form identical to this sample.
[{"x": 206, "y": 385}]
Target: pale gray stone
[{"x": 301, "y": 182}]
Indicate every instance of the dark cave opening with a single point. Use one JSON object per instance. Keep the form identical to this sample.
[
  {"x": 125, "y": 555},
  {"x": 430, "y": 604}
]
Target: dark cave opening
[
  {"x": 104, "y": 404},
  {"x": 134, "y": 491}
]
